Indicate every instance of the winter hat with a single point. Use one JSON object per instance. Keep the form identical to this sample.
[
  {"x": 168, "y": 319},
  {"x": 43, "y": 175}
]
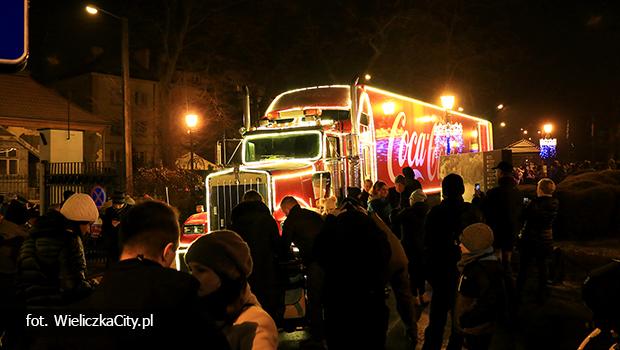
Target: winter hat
[
  {"x": 80, "y": 207},
  {"x": 477, "y": 237},
  {"x": 417, "y": 196},
  {"x": 223, "y": 251}
]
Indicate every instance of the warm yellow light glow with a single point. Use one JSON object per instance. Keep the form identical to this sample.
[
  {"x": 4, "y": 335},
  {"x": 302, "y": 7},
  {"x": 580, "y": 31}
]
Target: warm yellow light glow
[
  {"x": 474, "y": 134},
  {"x": 191, "y": 120},
  {"x": 447, "y": 101},
  {"x": 548, "y": 128},
  {"x": 92, "y": 9},
  {"x": 524, "y": 132},
  {"x": 367, "y": 77},
  {"x": 502, "y": 124},
  {"x": 474, "y": 147},
  {"x": 500, "y": 106},
  {"x": 461, "y": 109},
  {"x": 388, "y": 108}
]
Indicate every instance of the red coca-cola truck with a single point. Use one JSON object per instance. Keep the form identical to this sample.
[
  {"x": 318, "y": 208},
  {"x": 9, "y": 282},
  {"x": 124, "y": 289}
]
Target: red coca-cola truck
[{"x": 315, "y": 143}]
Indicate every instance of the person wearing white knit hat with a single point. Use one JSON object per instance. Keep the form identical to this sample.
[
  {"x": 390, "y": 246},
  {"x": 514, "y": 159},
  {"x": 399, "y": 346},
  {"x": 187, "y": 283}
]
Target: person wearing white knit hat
[{"x": 51, "y": 263}]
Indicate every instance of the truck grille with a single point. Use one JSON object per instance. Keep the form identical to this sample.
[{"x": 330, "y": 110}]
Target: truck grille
[{"x": 226, "y": 190}]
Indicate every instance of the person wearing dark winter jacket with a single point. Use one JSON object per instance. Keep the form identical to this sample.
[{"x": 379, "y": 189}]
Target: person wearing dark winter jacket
[
  {"x": 111, "y": 225},
  {"x": 536, "y": 241},
  {"x": 444, "y": 224},
  {"x": 379, "y": 202},
  {"x": 252, "y": 220},
  {"x": 480, "y": 293},
  {"x": 409, "y": 224},
  {"x": 354, "y": 254},
  {"x": 502, "y": 207},
  {"x": 142, "y": 282},
  {"x": 301, "y": 227},
  {"x": 52, "y": 265}
]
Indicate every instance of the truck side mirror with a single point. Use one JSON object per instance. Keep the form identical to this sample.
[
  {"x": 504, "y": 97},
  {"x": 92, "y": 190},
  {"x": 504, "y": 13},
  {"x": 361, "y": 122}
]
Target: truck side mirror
[{"x": 321, "y": 185}]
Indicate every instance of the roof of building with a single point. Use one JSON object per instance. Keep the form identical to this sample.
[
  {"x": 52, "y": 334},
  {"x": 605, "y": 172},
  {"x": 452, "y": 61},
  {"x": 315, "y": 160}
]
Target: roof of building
[
  {"x": 523, "y": 146},
  {"x": 23, "y": 97}
]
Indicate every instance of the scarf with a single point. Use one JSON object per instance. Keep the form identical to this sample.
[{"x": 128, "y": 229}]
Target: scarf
[{"x": 468, "y": 258}]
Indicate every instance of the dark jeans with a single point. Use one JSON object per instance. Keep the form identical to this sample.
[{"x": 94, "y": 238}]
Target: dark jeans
[
  {"x": 444, "y": 293},
  {"x": 538, "y": 252},
  {"x": 315, "y": 279},
  {"x": 352, "y": 322}
]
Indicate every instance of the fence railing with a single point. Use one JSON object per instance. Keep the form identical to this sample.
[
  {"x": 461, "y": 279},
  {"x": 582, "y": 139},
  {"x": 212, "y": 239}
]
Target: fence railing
[{"x": 17, "y": 185}]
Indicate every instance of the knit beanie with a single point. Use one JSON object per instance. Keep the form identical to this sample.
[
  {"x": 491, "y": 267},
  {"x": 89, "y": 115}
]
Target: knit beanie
[
  {"x": 477, "y": 237},
  {"x": 80, "y": 207},
  {"x": 417, "y": 196},
  {"x": 225, "y": 252}
]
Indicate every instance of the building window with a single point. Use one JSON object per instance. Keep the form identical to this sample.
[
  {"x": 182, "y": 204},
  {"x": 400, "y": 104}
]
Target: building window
[{"x": 8, "y": 162}]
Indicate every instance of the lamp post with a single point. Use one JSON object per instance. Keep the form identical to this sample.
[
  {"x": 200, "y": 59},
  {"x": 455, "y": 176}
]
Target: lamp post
[
  {"x": 447, "y": 102},
  {"x": 127, "y": 122},
  {"x": 191, "y": 120}
]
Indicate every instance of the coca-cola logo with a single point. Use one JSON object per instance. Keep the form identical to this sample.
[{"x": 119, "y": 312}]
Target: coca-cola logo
[{"x": 414, "y": 149}]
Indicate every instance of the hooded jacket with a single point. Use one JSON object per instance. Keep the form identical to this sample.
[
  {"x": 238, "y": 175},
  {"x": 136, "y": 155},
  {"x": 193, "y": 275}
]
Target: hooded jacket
[{"x": 51, "y": 263}]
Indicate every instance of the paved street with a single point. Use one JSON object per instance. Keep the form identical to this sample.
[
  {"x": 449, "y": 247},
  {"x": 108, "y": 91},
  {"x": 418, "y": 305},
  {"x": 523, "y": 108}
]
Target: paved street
[{"x": 558, "y": 324}]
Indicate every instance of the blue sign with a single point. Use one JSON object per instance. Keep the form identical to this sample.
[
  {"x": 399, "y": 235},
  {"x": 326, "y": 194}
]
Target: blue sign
[
  {"x": 98, "y": 195},
  {"x": 13, "y": 31}
]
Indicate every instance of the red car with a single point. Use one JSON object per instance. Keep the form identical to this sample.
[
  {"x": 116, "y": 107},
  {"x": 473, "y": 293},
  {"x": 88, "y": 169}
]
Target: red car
[{"x": 195, "y": 226}]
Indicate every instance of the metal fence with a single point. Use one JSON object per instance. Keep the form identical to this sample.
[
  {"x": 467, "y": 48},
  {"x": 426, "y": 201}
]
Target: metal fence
[
  {"x": 16, "y": 185},
  {"x": 79, "y": 177}
]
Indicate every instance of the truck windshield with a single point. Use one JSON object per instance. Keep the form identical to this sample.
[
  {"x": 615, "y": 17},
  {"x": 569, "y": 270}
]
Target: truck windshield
[{"x": 282, "y": 146}]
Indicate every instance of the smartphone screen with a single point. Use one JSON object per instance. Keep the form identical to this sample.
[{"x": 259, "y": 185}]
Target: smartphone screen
[{"x": 477, "y": 187}]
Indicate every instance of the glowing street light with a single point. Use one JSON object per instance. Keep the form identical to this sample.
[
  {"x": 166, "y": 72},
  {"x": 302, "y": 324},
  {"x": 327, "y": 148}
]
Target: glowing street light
[
  {"x": 367, "y": 77},
  {"x": 447, "y": 101},
  {"x": 548, "y": 128},
  {"x": 524, "y": 132},
  {"x": 500, "y": 106},
  {"x": 191, "y": 120},
  {"x": 92, "y": 9},
  {"x": 502, "y": 124},
  {"x": 127, "y": 121}
]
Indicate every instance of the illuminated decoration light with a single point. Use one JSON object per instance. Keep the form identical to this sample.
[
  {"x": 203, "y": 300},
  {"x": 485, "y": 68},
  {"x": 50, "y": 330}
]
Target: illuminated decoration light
[
  {"x": 409, "y": 99},
  {"x": 524, "y": 132},
  {"x": 500, "y": 106},
  {"x": 502, "y": 124},
  {"x": 294, "y": 175},
  {"x": 474, "y": 134},
  {"x": 432, "y": 190},
  {"x": 442, "y": 132},
  {"x": 460, "y": 109},
  {"x": 275, "y": 100},
  {"x": 388, "y": 108},
  {"x": 548, "y": 128},
  {"x": 474, "y": 147},
  {"x": 367, "y": 77},
  {"x": 548, "y": 148}
]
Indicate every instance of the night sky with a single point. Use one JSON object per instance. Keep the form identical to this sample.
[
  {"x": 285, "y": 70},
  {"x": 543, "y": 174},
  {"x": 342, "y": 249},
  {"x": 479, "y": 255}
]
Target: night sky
[{"x": 544, "y": 60}]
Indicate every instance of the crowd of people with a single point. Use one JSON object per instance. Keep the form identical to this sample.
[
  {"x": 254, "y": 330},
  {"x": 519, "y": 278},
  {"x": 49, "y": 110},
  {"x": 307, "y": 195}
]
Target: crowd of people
[
  {"x": 378, "y": 241},
  {"x": 530, "y": 172}
]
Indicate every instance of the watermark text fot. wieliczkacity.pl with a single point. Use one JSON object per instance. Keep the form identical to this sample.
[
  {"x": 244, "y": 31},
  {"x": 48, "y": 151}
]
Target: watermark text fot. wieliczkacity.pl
[{"x": 83, "y": 320}]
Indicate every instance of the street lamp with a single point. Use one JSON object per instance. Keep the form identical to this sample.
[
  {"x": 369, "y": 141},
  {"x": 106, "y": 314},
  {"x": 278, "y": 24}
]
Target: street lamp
[
  {"x": 367, "y": 77},
  {"x": 524, "y": 132},
  {"x": 191, "y": 120},
  {"x": 548, "y": 128},
  {"x": 447, "y": 102},
  {"x": 127, "y": 123},
  {"x": 502, "y": 124}
]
